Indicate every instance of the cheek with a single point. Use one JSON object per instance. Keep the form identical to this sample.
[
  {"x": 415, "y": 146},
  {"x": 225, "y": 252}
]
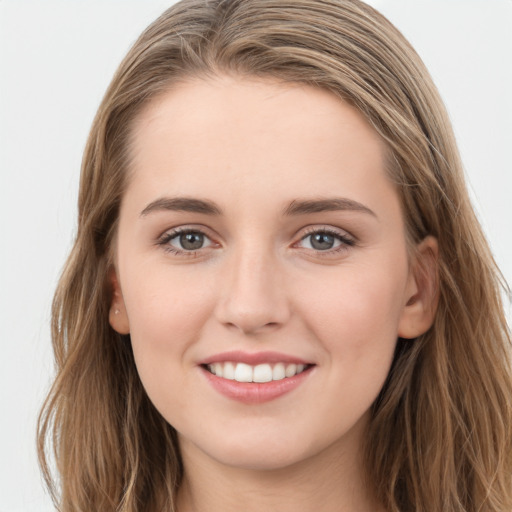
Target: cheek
[
  {"x": 359, "y": 311},
  {"x": 166, "y": 312},
  {"x": 356, "y": 323}
]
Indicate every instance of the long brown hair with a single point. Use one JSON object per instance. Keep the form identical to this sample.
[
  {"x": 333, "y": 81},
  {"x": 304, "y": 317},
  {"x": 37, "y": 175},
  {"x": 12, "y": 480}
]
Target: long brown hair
[{"x": 440, "y": 437}]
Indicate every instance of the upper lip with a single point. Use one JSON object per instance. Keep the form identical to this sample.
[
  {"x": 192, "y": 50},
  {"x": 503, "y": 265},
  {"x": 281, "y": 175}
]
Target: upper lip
[{"x": 253, "y": 358}]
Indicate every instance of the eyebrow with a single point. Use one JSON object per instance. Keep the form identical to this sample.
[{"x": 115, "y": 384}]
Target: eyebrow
[
  {"x": 304, "y": 207},
  {"x": 182, "y": 204},
  {"x": 295, "y": 208}
]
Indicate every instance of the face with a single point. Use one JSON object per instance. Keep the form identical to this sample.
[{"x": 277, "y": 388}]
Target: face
[{"x": 262, "y": 269}]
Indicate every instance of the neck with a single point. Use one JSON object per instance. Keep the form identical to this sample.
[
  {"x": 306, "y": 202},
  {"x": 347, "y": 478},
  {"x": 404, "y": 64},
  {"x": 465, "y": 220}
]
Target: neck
[{"x": 331, "y": 481}]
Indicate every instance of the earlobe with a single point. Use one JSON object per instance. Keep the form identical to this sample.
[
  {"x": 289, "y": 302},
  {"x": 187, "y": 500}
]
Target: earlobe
[
  {"x": 422, "y": 292},
  {"x": 117, "y": 317}
]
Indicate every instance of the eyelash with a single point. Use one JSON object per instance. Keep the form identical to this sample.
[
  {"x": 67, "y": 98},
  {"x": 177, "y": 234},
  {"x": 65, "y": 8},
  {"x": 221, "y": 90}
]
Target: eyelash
[
  {"x": 346, "y": 241},
  {"x": 168, "y": 236}
]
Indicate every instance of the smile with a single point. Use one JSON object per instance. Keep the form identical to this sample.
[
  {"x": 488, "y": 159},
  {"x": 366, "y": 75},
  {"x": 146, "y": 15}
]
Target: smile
[
  {"x": 255, "y": 378},
  {"x": 261, "y": 373}
]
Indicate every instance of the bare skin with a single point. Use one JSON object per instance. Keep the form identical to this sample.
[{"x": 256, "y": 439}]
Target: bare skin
[{"x": 259, "y": 219}]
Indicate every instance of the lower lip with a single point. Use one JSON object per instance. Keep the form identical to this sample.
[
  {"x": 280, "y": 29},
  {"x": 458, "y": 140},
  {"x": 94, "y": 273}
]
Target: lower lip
[{"x": 255, "y": 392}]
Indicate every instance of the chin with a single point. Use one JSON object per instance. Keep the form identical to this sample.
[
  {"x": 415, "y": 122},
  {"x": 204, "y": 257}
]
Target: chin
[
  {"x": 262, "y": 449},
  {"x": 259, "y": 458}
]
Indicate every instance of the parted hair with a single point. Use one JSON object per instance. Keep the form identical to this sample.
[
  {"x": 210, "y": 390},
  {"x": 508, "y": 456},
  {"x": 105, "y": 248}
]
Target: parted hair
[{"x": 440, "y": 434}]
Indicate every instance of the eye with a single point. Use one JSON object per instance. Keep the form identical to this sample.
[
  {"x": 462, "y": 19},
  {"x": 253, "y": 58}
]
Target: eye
[
  {"x": 326, "y": 240},
  {"x": 183, "y": 241}
]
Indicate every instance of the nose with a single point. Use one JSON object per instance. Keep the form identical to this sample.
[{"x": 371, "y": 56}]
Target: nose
[{"x": 253, "y": 295}]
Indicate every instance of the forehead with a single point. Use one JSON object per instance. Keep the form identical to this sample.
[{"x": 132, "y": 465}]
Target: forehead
[
  {"x": 265, "y": 105},
  {"x": 237, "y": 137}
]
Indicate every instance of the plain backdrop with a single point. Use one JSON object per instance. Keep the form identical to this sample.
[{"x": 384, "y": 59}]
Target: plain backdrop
[{"x": 56, "y": 59}]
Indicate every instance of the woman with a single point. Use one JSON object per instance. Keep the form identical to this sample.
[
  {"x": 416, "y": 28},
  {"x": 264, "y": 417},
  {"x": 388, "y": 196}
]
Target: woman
[{"x": 279, "y": 296}]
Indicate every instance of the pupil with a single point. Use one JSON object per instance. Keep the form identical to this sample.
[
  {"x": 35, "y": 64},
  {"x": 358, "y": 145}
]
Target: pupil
[
  {"x": 191, "y": 241},
  {"x": 322, "y": 241}
]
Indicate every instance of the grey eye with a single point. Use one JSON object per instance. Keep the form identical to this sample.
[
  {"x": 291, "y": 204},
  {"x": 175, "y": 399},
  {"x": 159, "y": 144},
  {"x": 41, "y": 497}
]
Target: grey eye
[
  {"x": 322, "y": 241},
  {"x": 326, "y": 241},
  {"x": 189, "y": 241}
]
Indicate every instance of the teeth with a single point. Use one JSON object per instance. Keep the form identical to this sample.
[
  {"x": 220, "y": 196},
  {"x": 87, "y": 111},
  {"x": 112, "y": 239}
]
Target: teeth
[
  {"x": 228, "y": 372},
  {"x": 262, "y": 373},
  {"x": 290, "y": 370},
  {"x": 242, "y": 372},
  {"x": 278, "y": 372},
  {"x": 218, "y": 369}
]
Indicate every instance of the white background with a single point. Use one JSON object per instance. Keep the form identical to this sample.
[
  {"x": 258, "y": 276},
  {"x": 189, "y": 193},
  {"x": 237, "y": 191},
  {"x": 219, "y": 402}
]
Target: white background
[{"x": 56, "y": 59}]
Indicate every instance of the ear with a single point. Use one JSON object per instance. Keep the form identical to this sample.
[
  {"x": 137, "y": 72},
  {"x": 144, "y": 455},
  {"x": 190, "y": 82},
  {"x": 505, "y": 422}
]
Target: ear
[
  {"x": 117, "y": 317},
  {"x": 422, "y": 294}
]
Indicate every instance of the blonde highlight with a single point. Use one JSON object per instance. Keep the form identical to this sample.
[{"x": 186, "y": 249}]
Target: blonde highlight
[{"x": 440, "y": 439}]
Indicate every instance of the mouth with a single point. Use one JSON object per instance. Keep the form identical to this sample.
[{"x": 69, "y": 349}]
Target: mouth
[
  {"x": 260, "y": 373},
  {"x": 255, "y": 378}
]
